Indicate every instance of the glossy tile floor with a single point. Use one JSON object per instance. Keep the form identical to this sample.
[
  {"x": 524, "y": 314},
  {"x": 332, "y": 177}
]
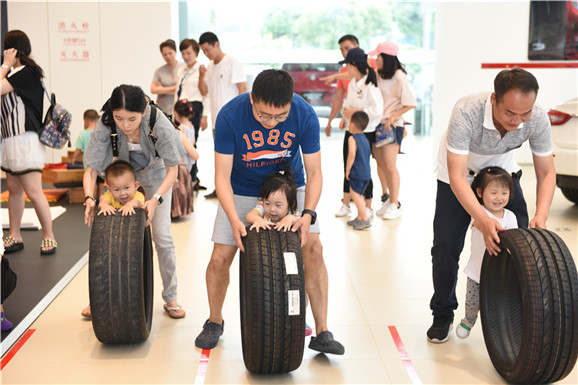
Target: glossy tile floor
[{"x": 380, "y": 277}]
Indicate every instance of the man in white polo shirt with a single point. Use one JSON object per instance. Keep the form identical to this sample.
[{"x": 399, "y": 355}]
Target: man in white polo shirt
[{"x": 484, "y": 130}]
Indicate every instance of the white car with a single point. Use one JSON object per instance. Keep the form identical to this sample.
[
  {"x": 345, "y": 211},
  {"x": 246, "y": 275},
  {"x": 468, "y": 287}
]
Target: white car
[{"x": 564, "y": 120}]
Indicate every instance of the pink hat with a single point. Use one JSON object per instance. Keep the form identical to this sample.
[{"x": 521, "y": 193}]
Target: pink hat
[{"x": 386, "y": 47}]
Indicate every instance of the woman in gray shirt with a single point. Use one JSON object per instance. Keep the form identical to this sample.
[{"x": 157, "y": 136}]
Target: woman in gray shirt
[
  {"x": 154, "y": 152},
  {"x": 164, "y": 82}
]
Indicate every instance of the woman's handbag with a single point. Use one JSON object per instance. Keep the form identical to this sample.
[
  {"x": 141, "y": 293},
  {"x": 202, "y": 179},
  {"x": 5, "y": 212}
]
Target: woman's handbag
[
  {"x": 383, "y": 136},
  {"x": 55, "y": 130}
]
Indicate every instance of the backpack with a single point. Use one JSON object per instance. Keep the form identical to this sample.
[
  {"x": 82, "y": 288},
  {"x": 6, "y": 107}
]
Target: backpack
[{"x": 55, "y": 130}]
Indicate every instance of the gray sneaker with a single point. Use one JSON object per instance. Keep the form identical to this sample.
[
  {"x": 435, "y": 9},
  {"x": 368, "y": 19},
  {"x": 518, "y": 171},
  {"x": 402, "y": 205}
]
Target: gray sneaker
[
  {"x": 353, "y": 222},
  {"x": 209, "y": 337},
  {"x": 362, "y": 225},
  {"x": 325, "y": 343}
]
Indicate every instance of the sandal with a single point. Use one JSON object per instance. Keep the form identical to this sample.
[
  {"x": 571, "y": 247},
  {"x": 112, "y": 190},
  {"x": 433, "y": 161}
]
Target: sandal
[
  {"x": 174, "y": 312},
  {"x": 48, "y": 243},
  {"x": 10, "y": 245}
]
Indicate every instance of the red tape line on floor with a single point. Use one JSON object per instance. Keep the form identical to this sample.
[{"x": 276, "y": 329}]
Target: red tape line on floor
[
  {"x": 202, "y": 368},
  {"x": 12, "y": 352},
  {"x": 409, "y": 368}
]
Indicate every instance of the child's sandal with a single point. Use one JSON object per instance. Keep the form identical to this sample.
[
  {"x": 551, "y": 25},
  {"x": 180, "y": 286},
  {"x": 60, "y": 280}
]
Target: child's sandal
[{"x": 48, "y": 243}]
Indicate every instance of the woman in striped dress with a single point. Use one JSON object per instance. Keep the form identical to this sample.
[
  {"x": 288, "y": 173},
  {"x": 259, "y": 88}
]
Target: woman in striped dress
[{"x": 22, "y": 153}]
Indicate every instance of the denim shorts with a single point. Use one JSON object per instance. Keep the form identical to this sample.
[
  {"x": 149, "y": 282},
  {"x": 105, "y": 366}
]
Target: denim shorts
[
  {"x": 222, "y": 230},
  {"x": 398, "y": 131}
]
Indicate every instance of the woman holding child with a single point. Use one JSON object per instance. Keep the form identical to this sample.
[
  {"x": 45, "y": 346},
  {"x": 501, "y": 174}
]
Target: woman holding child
[{"x": 154, "y": 152}]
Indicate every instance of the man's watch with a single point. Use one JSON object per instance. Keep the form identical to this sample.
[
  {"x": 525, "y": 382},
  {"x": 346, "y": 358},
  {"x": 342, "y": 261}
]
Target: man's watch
[
  {"x": 159, "y": 198},
  {"x": 312, "y": 213}
]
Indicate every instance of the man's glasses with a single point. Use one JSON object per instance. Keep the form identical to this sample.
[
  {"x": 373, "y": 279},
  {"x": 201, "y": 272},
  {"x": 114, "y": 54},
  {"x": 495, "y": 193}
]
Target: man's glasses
[{"x": 267, "y": 118}]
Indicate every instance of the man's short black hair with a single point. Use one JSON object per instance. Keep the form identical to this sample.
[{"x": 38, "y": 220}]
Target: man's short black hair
[
  {"x": 273, "y": 87},
  {"x": 514, "y": 79},
  {"x": 351, "y": 38},
  {"x": 208, "y": 37}
]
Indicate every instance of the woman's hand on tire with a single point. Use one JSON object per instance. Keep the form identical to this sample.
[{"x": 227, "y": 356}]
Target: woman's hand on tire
[
  {"x": 89, "y": 205},
  {"x": 150, "y": 206}
]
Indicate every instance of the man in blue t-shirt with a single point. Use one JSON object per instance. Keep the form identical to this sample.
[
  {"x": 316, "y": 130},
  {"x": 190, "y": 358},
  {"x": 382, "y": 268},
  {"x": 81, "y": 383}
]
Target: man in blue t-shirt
[{"x": 256, "y": 134}]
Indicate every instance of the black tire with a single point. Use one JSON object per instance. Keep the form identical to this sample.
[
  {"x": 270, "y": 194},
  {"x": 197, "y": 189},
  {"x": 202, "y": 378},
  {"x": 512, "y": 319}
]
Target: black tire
[
  {"x": 529, "y": 307},
  {"x": 570, "y": 193},
  {"x": 273, "y": 341},
  {"x": 120, "y": 275}
]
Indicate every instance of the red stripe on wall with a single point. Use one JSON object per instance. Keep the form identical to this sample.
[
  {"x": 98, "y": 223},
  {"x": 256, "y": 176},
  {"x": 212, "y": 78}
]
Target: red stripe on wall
[{"x": 564, "y": 64}]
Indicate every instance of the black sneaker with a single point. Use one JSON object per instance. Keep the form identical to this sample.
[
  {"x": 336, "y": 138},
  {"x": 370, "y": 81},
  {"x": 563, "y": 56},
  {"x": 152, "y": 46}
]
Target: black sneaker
[
  {"x": 325, "y": 343},
  {"x": 209, "y": 337},
  {"x": 384, "y": 197},
  {"x": 439, "y": 332}
]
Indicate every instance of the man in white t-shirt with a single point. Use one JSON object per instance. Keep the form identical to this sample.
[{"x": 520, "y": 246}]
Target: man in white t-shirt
[
  {"x": 484, "y": 130},
  {"x": 223, "y": 79}
]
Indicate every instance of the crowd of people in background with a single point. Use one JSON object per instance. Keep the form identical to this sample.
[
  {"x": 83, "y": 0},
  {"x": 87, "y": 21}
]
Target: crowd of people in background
[{"x": 373, "y": 94}]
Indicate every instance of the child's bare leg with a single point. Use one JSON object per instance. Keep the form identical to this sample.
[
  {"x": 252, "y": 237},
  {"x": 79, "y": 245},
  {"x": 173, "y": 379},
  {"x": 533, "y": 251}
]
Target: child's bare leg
[{"x": 359, "y": 201}]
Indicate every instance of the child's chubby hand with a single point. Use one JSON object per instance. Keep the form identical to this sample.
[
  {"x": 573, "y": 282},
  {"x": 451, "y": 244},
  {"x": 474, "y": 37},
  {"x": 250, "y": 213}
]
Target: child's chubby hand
[
  {"x": 127, "y": 210},
  {"x": 286, "y": 223},
  {"x": 261, "y": 223},
  {"x": 106, "y": 209}
]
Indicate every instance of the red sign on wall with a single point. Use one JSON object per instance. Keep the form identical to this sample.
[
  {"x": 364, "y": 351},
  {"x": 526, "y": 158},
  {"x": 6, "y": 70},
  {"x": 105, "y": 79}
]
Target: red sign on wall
[{"x": 73, "y": 38}]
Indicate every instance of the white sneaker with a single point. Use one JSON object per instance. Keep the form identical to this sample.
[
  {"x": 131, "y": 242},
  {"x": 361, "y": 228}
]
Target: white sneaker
[
  {"x": 464, "y": 328},
  {"x": 383, "y": 207},
  {"x": 343, "y": 211},
  {"x": 369, "y": 213},
  {"x": 392, "y": 211}
]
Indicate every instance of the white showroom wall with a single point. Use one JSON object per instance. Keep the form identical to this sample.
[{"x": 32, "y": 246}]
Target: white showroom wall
[
  {"x": 87, "y": 48},
  {"x": 471, "y": 33}
]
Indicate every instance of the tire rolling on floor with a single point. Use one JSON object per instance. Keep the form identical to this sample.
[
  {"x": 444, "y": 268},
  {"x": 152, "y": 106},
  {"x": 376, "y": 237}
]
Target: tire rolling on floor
[
  {"x": 529, "y": 307},
  {"x": 121, "y": 278},
  {"x": 272, "y": 293}
]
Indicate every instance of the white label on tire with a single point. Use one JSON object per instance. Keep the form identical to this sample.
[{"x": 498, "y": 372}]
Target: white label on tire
[
  {"x": 290, "y": 263},
  {"x": 294, "y": 305}
]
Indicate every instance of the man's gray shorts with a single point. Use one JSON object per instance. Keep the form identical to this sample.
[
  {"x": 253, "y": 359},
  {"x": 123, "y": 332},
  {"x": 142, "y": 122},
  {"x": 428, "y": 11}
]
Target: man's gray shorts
[{"x": 222, "y": 230}]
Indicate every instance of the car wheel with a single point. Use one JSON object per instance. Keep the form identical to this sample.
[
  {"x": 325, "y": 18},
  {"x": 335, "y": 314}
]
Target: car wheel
[{"x": 570, "y": 194}]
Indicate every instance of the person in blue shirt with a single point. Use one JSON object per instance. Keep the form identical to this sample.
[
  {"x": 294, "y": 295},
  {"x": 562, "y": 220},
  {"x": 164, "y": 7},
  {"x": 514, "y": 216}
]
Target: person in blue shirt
[{"x": 258, "y": 133}]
